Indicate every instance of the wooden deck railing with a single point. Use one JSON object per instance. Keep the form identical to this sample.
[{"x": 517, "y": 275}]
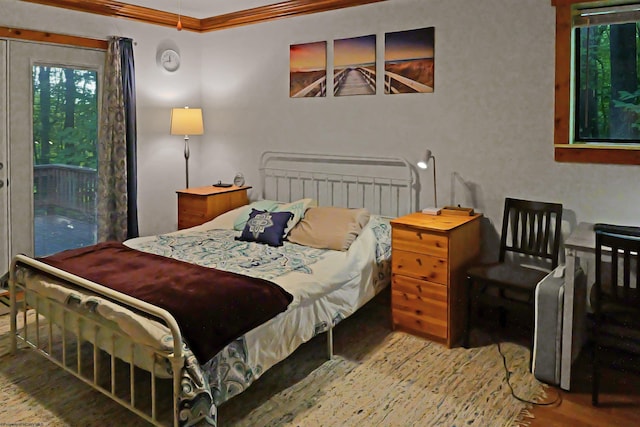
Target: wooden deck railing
[{"x": 63, "y": 189}]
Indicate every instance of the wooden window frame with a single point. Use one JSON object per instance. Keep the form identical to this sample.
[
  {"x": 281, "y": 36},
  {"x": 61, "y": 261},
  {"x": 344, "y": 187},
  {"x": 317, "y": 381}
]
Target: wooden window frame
[
  {"x": 47, "y": 37},
  {"x": 564, "y": 150}
]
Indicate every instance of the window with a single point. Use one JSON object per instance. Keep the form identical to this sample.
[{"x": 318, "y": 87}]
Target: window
[
  {"x": 606, "y": 72},
  {"x": 597, "y": 82}
]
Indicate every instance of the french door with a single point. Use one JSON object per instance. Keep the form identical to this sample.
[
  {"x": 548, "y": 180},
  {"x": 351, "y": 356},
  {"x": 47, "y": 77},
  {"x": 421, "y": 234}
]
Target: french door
[
  {"x": 53, "y": 95},
  {"x": 4, "y": 198}
]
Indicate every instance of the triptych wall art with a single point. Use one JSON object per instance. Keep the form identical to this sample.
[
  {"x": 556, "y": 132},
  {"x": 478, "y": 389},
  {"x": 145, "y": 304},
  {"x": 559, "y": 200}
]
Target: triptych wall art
[{"x": 408, "y": 65}]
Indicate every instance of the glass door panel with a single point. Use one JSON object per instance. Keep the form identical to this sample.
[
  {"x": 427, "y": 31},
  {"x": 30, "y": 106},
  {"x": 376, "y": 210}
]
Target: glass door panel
[{"x": 65, "y": 134}]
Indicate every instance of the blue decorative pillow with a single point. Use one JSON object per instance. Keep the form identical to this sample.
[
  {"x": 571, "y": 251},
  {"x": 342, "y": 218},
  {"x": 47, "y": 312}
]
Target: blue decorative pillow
[
  {"x": 243, "y": 217},
  {"x": 265, "y": 227}
]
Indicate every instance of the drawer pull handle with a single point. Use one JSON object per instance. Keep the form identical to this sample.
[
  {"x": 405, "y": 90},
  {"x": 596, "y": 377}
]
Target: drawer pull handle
[
  {"x": 419, "y": 261},
  {"x": 419, "y": 235}
]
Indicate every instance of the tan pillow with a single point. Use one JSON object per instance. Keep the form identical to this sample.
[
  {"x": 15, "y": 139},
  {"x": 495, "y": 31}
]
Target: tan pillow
[{"x": 328, "y": 227}]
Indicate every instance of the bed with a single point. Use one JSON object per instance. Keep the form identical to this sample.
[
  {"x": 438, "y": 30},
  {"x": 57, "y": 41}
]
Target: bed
[{"x": 96, "y": 332}]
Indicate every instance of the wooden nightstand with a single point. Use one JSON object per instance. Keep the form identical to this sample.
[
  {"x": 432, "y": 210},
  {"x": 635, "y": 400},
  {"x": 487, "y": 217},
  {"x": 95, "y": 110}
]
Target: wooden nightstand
[
  {"x": 199, "y": 205},
  {"x": 429, "y": 259}
]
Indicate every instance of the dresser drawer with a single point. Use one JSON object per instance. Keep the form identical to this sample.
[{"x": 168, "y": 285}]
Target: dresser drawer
[
  {"x": 420, "y": 266},
  {"x": 417, "y": 240},
  {"x": 419, "y": 306}
]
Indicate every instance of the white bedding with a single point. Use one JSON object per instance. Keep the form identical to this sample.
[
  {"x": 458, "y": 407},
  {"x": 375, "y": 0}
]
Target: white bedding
[
  {"x": 341, "y": 282},
  {"x": 331, "y": 286}
]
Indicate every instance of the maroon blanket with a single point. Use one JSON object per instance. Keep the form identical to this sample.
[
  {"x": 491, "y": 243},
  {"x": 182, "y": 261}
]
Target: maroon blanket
[{"x": 212, "y": 307}]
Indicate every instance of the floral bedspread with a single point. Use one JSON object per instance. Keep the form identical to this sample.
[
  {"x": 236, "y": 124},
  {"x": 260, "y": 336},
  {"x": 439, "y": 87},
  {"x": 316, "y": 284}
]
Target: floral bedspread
[{"x": 219, "y": 249}]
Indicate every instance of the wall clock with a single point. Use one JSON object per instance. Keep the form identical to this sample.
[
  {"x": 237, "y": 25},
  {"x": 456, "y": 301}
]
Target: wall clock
[{"x": 170, "y": 60}]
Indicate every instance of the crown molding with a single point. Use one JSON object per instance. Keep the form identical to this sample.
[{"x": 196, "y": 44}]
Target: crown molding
[
  {"x": 123, "y": 10},
  {"x": 285, "y": 9}
]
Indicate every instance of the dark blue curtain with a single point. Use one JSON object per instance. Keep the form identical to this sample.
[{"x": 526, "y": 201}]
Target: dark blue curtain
[{"x": 129, "y": 93}]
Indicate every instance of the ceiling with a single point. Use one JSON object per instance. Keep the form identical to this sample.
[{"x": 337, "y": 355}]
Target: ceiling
[{"x": 203, "y": 15}]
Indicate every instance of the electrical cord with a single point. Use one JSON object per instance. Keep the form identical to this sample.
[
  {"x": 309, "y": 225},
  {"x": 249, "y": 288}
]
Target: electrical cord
[{"x": 507, "y": 376}]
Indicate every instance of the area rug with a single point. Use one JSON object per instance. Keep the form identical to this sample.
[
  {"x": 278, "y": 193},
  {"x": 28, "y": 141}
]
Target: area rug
[{"x": 378, "y": 377}]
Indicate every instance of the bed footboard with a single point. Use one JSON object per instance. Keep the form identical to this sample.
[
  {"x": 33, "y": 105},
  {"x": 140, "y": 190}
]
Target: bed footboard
[{"x": 82, "y": 344}]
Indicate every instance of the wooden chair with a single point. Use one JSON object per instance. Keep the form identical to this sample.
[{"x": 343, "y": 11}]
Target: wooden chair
[
  {"x": 615, "y": 295},
  {"x": 529, "y": 247}
]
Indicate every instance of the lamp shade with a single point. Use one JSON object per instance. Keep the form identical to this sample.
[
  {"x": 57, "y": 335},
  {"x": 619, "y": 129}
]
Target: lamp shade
[
  {"x": 423, "y": 163},
  {"x": 186, "y": 121}
]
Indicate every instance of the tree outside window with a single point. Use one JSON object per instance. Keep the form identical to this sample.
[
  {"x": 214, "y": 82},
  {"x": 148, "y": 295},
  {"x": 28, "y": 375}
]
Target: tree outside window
[{"x": 607, "y": 108}]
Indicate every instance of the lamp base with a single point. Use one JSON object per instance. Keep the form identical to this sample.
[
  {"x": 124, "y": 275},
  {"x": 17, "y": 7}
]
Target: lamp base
[{"x": 431, "y": 211}]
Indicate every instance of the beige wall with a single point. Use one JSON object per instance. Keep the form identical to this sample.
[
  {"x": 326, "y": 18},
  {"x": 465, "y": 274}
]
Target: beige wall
[{"x": 490, "y": 119}]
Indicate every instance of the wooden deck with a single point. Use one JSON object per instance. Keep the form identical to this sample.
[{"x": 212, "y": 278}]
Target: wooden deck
[
  {"x": 64, "y": 203},
  {"x": 55, "y": 233}
]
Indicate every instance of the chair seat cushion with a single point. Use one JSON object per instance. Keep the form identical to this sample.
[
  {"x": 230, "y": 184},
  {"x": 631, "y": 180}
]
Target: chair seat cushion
[{"x": 507, "y": 276}]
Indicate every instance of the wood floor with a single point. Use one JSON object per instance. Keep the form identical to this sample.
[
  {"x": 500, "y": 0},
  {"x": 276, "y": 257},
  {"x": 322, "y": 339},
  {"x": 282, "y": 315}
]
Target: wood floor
[
  {"x": 619, "y": 398},
  {"x": 619, "y": 387}
]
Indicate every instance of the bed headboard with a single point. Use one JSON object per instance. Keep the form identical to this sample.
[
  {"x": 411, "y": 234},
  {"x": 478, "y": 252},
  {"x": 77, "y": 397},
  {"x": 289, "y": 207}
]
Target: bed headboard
[{"x": 384, "y": 185}]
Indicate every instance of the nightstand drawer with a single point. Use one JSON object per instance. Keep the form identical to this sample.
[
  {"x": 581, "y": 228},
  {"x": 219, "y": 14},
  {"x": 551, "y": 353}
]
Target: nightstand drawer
[
  {"x": 420, "y": 306},
  {"x": 417, "y": 240},
  {"x": 420, "y": 266}
]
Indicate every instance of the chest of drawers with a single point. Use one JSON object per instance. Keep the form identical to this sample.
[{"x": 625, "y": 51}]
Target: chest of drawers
[
  {"x": 201, "y": 204},
  {"x": 430, "y": 255}
]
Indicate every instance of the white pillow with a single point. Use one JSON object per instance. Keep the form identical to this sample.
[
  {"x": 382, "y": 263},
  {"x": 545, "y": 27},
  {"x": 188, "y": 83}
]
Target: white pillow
[{"x": 298, "y": 209}]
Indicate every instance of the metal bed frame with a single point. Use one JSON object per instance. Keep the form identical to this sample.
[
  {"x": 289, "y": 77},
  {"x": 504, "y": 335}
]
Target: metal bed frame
[
  {"x": 285, "y": 176},
  {"x": 391, "y": 194},
  {"x": 44, "y": 347}
]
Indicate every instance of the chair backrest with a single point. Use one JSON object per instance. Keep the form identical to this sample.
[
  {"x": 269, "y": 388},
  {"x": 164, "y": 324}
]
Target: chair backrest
[
  {"x": 531, "y": 228},
  {"x": 622, "y": 244}
]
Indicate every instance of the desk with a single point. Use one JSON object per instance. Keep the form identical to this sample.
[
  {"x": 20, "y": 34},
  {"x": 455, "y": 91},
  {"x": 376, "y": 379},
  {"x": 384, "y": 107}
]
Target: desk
[{"x": 579, "y": 250}]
